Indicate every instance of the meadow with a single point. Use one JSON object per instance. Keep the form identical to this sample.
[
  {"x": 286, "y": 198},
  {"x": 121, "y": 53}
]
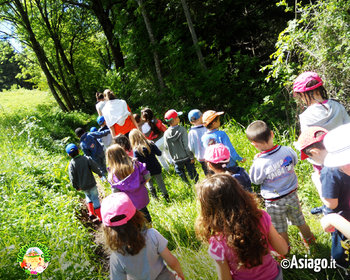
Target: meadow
[{"x": 39, "y": 204}]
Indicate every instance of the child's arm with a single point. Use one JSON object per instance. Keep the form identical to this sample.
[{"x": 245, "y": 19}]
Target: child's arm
[
  {"x": 223, "y": 270},
  {"x": 94, "y": 167},
  {"x": 277, "y": 241},
  {"x": 184, "y": 138},
  {"x": 331, "y": 203},
  {"x": 333, "y": 220},
  {"x": 233, "y": 154},
  {"x": 172, "y": 262},
  {"x": 156, "y": 149},
  {"x": 100, "y": 134},
  {"x": 71, "y": 177}
]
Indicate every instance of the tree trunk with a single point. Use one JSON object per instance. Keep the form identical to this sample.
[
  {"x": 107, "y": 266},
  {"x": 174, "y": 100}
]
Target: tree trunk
[
  {"x": 41, "y": 56},
  {"x": 193, "y": 34},
  {"x": 107, "y": 26},
  {"x": 153, "y": 44}
]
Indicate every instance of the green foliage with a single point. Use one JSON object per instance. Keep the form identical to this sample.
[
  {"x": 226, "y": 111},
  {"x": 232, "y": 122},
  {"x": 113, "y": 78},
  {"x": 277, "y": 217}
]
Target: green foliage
[{"x": 318, "y": 40}]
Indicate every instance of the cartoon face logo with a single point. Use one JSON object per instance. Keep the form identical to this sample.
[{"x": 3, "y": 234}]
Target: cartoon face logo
[
  {"x": 34, "y": 260},
  {"x": 287, "y": 161},
  {"x": 211, "y": 141}
]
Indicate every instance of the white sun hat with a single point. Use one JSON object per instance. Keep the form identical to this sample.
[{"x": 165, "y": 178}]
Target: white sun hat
[{"x": 337, "y": 143}]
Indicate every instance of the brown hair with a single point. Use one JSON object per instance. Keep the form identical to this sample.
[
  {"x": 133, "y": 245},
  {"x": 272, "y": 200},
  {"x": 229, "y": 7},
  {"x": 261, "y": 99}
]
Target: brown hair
[
  {"x": 99, "y": 96},
  {"x": 148, "y": 116},
  {"x": 123, "y": 141},
  {"x": 310, "y": 95},
  {"x": 258, "y": 131},
  {"x": 139, "y": 141},
  {"x": 128, "y": 238},
  {"x": 317, "y": 145},
  {"x": 108, "y": 94},
  {"x": 119, "y": 162},
  {"x": 227, "y": 209}
]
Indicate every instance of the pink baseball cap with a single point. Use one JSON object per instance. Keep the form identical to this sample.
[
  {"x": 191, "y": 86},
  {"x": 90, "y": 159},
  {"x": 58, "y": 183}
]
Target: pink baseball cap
[
  {"x": 311, "y": 135},
  {"x": 117, "y": 204},
  {"x": 303, "y": 79},
  {"x": 217, "y": 153},
  {"x": 171, "y": 114}
]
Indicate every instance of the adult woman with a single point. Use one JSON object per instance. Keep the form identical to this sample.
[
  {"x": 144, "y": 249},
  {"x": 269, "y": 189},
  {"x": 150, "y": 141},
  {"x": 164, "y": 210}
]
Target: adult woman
[{"x": 118, "y": 115}]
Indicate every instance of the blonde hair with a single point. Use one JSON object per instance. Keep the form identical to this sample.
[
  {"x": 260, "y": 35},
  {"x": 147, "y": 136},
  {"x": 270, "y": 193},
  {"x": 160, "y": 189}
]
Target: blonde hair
[
  {"x": 120, "y": 164},
  {"x": 138, "y": 141}
]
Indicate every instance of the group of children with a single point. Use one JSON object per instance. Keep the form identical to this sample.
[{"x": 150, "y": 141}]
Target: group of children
[{"x": 240, "y": 235}]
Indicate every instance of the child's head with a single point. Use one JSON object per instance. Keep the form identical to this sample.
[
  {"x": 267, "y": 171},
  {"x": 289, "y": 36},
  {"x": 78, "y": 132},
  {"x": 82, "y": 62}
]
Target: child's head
[
  {"x": 211, "y": 119},
  {"x": 147, "y": 114},
  {"x": 217, "y": 157},
  {"x": 310, "y": 144},
  {"x": 308, "y": 87},
  {"x": 72, "y": 150},
  {"x": 108, "y": 94},
  {"x": 101, "y": 120},
  {"x": 120, "y": 164},
  {"x": 195, "y": 117},
  {"x": 172, "y": 117},
  {"x": 260, "y": 135},
  {"x": 138, "y": 141},
  {"x": 226, "y": 208},
  {"x": 79, "y": 132},
  {"x": 137, "y": 118},
  {"x": 338, "y": 146},
  {"x": 123, "y": 224},
  {"x": 99, "y": 96},
  {"x": 93, "y": 129},
  {"x": 122, "y": 141}
]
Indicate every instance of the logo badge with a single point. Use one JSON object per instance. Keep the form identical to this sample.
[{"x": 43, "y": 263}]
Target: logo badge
[{"x": 34, "y": 258}]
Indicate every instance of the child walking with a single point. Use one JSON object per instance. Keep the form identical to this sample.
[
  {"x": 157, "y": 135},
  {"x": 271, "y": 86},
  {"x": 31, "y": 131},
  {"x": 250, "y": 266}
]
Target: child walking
[
  {"x": 217, "y": 156},
  {"x": 80, "y": 174},
  {"x": 145, "y": 151},
  {"x": 176, "y": 142},
  {"x": 211, "y": 120},
  {"x": 130, "y": 176},
  {"x": 107, "y": 139},
  {"x": 332, "y": 184},
  {"x": 137, "y": 252},
  {"x": 195, "y": 135},
  {"x": 273, "y": 169},
  {"x": 239, "y": 234},
  {"x": 320, "y": 111},
  {"x": 154, "y": 130}
]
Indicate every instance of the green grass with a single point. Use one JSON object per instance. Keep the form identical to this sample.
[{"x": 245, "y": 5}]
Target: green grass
[{"x": 38, "y": 203}]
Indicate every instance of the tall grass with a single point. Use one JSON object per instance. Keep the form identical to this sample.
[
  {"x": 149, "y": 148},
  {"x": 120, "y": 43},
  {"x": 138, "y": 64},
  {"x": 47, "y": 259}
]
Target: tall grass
[{"x": 40, "y": 205}]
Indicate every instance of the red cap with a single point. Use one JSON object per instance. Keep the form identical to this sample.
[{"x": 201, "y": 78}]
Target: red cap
[
  {"x": 309, "y": 137},
  {"x": 171, "y": 115}
]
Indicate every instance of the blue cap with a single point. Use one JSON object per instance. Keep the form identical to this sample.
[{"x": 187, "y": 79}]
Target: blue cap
[
  {"x": 100, "y": 120},
  {"x": 93, "y": 129},
  {"x": 194, "y": 115},
  {"x": 71, "y": 148}
]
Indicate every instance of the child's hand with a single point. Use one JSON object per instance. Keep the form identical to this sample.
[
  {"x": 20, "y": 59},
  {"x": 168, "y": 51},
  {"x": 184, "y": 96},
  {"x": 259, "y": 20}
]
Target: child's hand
[
  {"x": 192, "y": 161},
  {"x": 243, "y": 160}
]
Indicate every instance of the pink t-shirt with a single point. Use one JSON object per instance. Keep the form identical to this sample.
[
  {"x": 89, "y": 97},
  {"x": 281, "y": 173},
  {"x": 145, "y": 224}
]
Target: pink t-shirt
[{"x": 219, "y": 251}]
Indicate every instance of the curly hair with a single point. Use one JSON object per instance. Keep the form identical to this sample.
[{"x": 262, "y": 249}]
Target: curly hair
[
  {"x": 227, "y": 209},
  {"x": 128, "y": 238}
]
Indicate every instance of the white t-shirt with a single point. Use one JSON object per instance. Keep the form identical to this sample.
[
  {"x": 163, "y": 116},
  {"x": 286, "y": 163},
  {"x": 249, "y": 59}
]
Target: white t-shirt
[
  {"x": 99, "y": 106},
  {"x": 146, "y": 265}
]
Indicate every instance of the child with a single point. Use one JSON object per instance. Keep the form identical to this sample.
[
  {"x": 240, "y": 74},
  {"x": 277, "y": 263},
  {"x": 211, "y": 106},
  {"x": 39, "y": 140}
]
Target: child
[
  {"x": 239, "y": 234},
  {"x": 107, "y": 139},
  {"x": 273, "y": 169},
  {"x": 124, "y": 142},
  {"x": 100, "y": 102},
  {"x": 137, "y": 252},
  {"x": 176, "y": 142},
  {"x": 211, "y": 120},
  {"x": 217, "y": 157},
  {"x": 320, "y": 111},
  {"x": 154, "y": 130},
  {"x": 332, "y": 184},
  {"x": 129, "y": 176},
  {"x": 81, "y": 177},
  {"x": 145, "y": 151},
  {"x": 91, "y": 147},
  {"x": 195, "y": 135}
]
